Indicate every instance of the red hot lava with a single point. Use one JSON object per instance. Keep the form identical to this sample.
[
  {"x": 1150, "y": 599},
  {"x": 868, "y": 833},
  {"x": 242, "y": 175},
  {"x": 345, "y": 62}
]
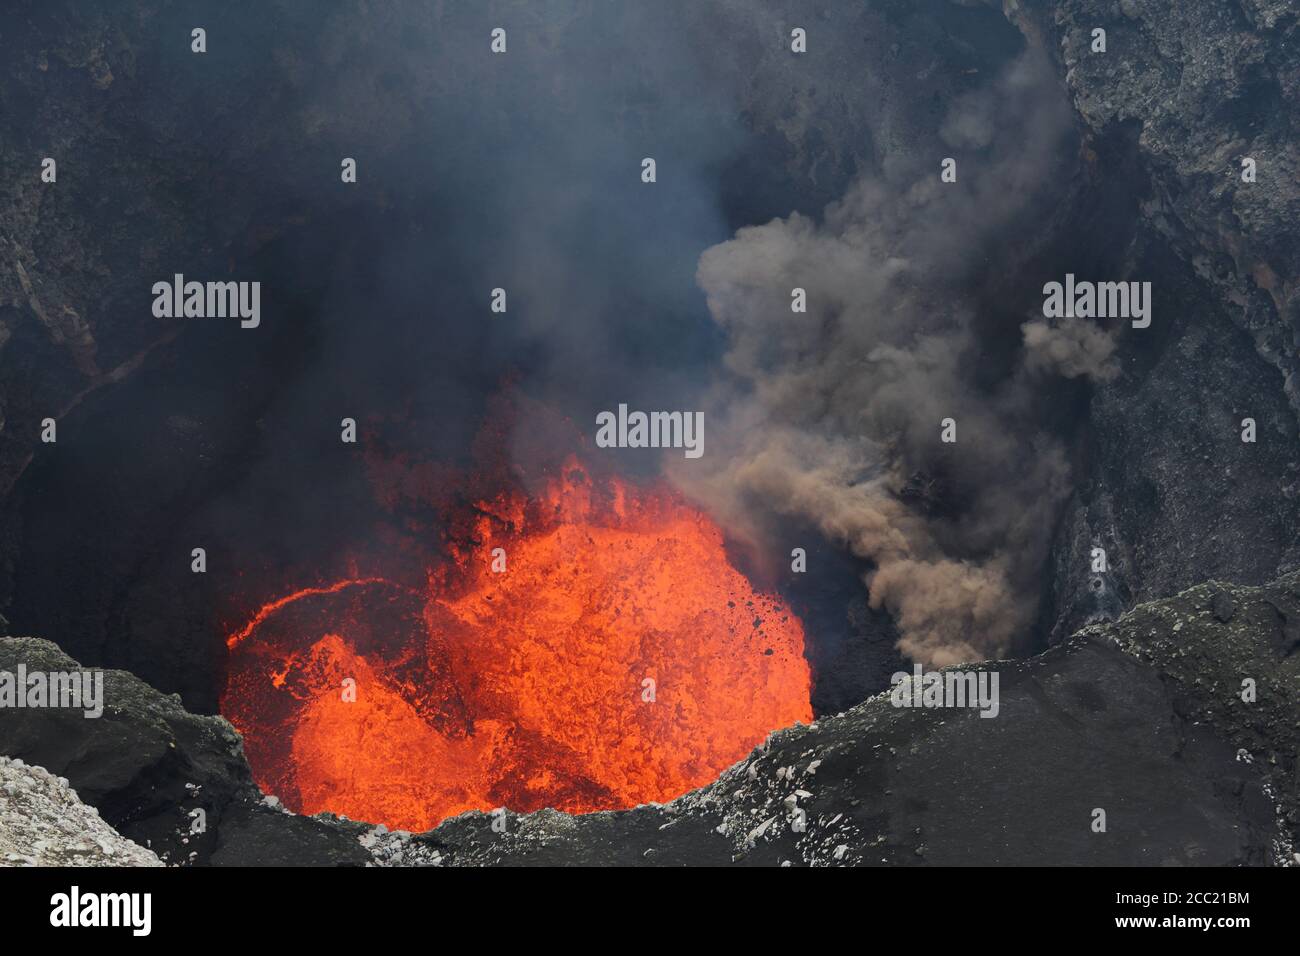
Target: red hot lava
[{"x": 617, "y": 659}]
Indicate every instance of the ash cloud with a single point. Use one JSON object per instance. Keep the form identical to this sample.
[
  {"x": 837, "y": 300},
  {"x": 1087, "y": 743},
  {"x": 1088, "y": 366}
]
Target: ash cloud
[
  {"x": 834, "y": 416},
  {"x": 1072, "y": 350}
]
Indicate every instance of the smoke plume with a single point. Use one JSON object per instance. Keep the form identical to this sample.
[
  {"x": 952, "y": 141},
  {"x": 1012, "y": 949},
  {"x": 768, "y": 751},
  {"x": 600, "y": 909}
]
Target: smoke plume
[{"x": 834, "y": 415}]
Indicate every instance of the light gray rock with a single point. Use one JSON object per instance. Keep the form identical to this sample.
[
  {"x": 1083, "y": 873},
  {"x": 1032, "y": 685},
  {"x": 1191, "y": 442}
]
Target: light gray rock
[{"x": 44, "y": 823}]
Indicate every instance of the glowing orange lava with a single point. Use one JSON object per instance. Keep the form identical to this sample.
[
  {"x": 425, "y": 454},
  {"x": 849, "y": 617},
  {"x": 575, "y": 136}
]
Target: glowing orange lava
[{"x": 617, "y": 659}]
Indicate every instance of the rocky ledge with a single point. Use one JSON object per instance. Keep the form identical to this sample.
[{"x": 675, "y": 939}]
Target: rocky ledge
[
  {"x": 44, "y": 823},
  {"x": 1147, "y": 718}
]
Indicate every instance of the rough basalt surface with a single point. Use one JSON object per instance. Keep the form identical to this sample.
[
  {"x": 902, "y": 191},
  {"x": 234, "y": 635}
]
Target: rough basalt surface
[
  {"x": 1143, "y": 718},
  {"x": 1165, "y": 483},
  {"x": 147, "y": 764}
]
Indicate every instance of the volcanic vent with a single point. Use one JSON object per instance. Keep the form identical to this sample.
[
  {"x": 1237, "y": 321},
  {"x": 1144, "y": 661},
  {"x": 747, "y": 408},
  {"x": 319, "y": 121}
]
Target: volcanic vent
[{"x": 588, "y": 646}]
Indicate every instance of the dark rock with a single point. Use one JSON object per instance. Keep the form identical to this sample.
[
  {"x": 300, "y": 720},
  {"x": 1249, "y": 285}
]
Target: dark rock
[
  {"x": 1142, "y": 717},
  {"x": 263, "y": 836},
  {"x": 1223, "y": 606},
  {"x": 147, "y": 763},
  {"x": 1287, "y": 634},
  {"x": 1192, "y": 89},
  {"x": 1083, "y": 726},
  {"x": 1142, "y": 714}
]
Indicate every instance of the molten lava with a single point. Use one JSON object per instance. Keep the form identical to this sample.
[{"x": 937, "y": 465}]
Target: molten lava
[{"x": 616, "y": 658}]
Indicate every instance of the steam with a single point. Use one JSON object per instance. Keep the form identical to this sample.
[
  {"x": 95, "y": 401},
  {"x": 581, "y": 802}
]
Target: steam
[{"x": 833, "y": 416}]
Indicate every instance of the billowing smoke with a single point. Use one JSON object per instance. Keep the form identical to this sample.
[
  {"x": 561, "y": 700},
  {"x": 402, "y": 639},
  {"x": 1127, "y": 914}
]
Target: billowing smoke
[
  {"x": 1073, "y": 350},
  {"x": 835, "y": 415}
]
